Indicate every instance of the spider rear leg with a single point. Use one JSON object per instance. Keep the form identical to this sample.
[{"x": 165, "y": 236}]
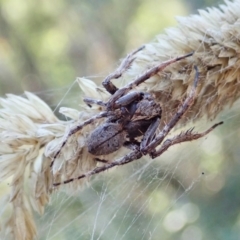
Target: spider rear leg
[
  {"x": 182, "y": 137},
  {"x": 134, "y": 155}
]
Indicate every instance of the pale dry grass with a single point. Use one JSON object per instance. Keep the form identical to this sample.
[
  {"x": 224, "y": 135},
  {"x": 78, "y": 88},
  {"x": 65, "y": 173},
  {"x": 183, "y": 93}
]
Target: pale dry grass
[{"x": 30, "y": 133}]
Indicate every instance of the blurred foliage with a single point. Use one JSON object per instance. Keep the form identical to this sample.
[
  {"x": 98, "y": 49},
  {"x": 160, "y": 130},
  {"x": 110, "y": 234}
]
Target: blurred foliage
[
  {"x": 48, "y": 46},
  {"x": 198, "y": 4},
  {"x": 44, "y": 46}
]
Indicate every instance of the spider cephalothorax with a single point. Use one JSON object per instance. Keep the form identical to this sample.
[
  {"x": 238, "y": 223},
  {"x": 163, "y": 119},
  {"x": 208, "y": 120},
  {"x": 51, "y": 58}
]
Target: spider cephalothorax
[{"x": 135, "y": 113}]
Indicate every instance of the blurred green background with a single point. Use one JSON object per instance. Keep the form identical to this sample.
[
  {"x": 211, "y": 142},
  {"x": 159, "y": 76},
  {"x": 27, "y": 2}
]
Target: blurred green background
[
  {"x": 45, "y": 45},
  {"x": 191, "y": 193}
]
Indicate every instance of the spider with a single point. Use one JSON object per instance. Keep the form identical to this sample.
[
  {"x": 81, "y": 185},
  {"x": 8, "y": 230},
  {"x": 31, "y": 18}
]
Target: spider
[
  {"x": 135, "y": 114},
  {"x": 131, "y": 114},
  {"x": 120, "y": 109}
]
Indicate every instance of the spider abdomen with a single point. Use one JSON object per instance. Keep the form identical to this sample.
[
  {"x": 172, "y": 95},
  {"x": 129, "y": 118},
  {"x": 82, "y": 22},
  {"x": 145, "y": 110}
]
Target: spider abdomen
[{"x": 106, "y": 139}]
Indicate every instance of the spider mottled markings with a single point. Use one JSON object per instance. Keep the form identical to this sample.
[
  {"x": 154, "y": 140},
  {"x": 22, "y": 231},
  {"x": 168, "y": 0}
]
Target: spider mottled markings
[{"x": 130, "y": 115}]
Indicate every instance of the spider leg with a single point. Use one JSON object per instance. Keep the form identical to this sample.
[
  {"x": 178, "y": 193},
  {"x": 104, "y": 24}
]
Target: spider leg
[
  {"x": 182, "y": 137},
  {"x": 90, "y": 101},
  {"x": 75, "y": 129},
  {"x": 180, "y": 112},
  {"x": 149, "y": 134},
  {"x": 134, "y": 155},
  {"x": 142, "y": 78},
  {"x": 126, "y": 63}
]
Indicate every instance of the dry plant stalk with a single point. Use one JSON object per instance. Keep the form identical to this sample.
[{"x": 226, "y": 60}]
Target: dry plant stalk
[{"x": 30, "y": 134}]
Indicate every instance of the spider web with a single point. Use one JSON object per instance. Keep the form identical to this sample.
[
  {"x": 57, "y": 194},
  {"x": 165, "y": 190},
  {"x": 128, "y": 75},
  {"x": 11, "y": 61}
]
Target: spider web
[{"x": 177, "y": 196}]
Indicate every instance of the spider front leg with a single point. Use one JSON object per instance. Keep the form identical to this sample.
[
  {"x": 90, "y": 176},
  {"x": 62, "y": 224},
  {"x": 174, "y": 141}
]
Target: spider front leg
[
  {"x": 117, "y": 93},
  {"x": 126, "y": 63}
]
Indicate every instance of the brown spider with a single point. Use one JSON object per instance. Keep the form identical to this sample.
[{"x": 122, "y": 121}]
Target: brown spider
[
  {"x": 135, "y": 114},
  {"x": 131, "y": 114}
]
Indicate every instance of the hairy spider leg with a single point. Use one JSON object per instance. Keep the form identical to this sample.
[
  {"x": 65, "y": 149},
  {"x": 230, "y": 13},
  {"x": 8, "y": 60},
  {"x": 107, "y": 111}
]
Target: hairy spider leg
[
  {"x": 142, "y": 78},
  {"x": 77, "y": 128},
  {"x": 134, "y": 155},
  {"x": 182, "y": 137},
  {"x": 137, "y": 154}
]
